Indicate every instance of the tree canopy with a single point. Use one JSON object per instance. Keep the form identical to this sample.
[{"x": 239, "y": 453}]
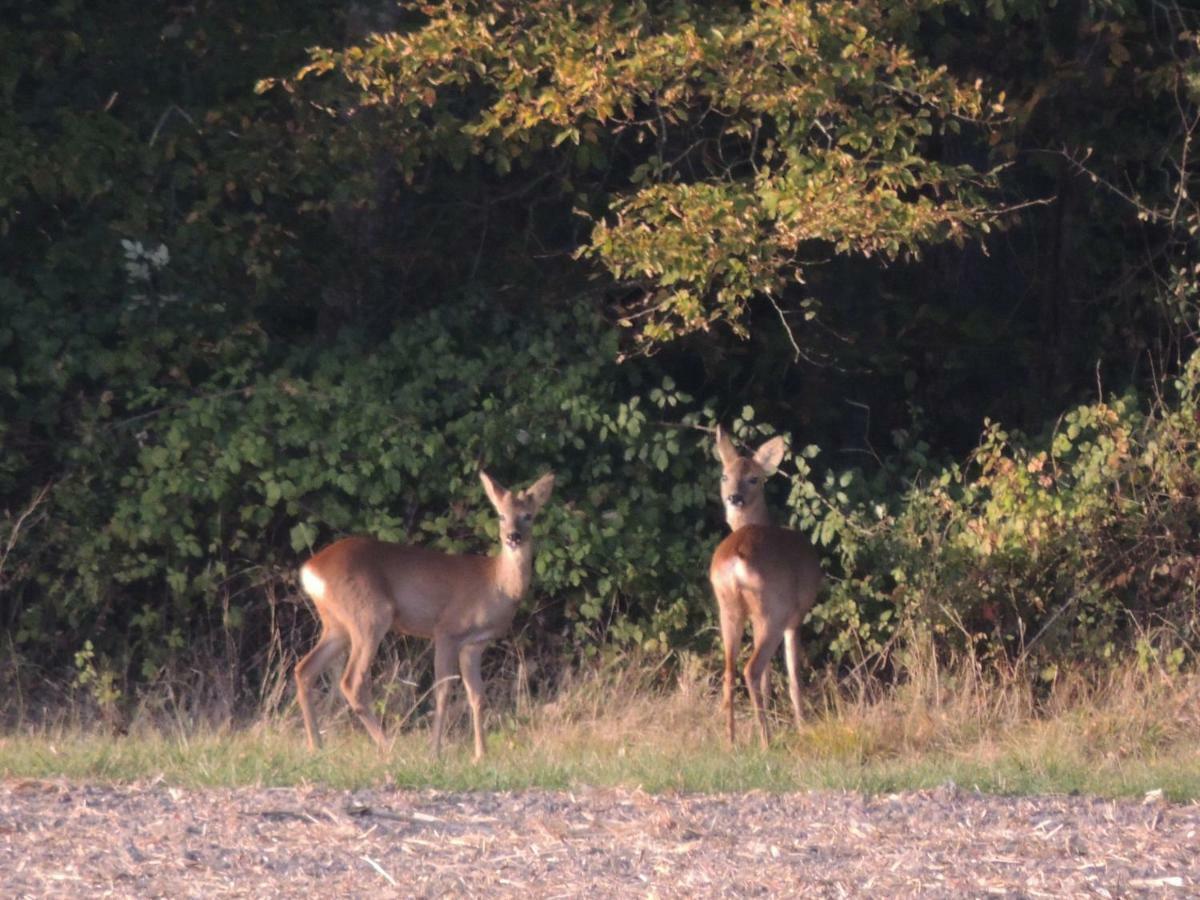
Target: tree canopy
[{"x": 714, "y": 149}]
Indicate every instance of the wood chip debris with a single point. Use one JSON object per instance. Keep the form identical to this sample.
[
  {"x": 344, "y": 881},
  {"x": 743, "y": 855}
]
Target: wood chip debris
[{"x": 64, "y": 839}]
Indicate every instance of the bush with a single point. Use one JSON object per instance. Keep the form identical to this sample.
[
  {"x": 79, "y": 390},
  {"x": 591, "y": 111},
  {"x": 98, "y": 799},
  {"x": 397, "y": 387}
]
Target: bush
[
  {"x": 1079, "y": 545},
  {"x": 177, "y": 524},
  {"x": 184, "y": 512}
]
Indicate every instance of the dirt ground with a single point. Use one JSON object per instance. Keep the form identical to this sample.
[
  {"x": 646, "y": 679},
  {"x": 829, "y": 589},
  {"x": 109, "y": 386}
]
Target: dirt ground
[{"x": 59, "y": 839}]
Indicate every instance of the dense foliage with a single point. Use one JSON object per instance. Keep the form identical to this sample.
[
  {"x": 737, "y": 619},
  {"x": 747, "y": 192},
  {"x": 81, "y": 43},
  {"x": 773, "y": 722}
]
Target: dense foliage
[
  {"x": 219, "y": 496},
  {"x": 1071, "y": 547},
  {"x": 726, "y": 144},
  {"x": 271, "y": 274}
]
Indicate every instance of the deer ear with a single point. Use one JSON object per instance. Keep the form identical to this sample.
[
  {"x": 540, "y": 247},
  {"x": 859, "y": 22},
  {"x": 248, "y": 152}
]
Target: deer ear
[
  {"x": 539, "y": 492},
  {"x": 770, "y": 455},
  {"x": 726, "y": 452},
  {"x": 495, "y": 492}
]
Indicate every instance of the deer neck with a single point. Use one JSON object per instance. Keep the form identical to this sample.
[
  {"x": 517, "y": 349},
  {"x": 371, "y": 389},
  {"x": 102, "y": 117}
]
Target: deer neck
[
  {"x": 754, "y": 514},
  {"x": 514, "y": 570}
]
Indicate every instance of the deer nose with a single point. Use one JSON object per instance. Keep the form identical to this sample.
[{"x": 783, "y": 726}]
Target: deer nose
[
  {"x": 735, "y": 500},
  {"x": 514, "y": 539}
]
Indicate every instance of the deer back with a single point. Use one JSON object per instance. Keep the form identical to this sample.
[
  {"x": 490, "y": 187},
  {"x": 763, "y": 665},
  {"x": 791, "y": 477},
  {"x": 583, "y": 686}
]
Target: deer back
[{"x": 424, "y": 592}]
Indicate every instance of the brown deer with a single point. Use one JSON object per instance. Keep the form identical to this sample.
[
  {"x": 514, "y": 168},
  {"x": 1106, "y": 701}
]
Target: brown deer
[
  {"x": 768, "y": 574},
  {"x": 364, "y": 588}
]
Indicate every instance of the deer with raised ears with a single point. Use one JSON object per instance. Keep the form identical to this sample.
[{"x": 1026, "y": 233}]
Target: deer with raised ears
[
  {"x": 364, "y": 588},
  {"x": 761, "y": 572}
]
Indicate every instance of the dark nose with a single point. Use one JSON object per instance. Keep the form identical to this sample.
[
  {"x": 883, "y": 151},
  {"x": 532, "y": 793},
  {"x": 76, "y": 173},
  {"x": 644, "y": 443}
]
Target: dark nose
[
  {"x": 735, "y": 500},
  {"x": 514, "y": 539}
]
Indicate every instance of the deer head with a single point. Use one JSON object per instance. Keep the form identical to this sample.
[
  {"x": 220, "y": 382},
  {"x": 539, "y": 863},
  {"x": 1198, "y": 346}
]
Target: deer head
[{"x": 743, "y": 478}]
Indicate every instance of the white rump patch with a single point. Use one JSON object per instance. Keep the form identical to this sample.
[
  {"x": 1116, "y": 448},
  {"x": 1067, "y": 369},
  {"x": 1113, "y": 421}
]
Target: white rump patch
[
  {"x": 740, "y": 571},
  {"x": 313, "y": 583},
  {"x": 746, "y": 576}
]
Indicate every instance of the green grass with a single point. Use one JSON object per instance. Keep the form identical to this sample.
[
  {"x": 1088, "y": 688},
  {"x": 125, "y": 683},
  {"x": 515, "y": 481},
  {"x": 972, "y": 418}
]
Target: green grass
[
  {"x": 1121, "y": 739},
  {"x": 271, "y": 757}
]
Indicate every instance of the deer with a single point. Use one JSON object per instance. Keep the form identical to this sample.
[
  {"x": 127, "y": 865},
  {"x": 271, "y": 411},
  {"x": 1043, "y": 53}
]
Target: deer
[
  {"x": 363, "y": 588},
  {"x": 762, "y": 572}
]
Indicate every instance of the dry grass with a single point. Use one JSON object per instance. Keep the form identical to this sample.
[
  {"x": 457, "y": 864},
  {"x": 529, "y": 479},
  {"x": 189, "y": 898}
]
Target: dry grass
[
  {"x": 622, "y": 783},
  {"x": 658, "y": 727}
]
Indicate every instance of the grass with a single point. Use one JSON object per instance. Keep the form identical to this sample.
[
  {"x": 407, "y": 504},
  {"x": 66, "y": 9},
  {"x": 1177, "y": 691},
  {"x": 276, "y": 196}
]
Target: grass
[{"x": 1120, "y": 735}]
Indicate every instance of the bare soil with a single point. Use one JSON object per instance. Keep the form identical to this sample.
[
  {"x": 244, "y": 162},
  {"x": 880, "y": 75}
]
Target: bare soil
[{"x": 60, "y": 839}]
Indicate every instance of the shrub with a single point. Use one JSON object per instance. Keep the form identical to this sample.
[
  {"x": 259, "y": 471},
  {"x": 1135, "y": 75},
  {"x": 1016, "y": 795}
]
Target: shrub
[
  {"x": 1079, "y": 544},
  {"x": 188, "y": 519}
]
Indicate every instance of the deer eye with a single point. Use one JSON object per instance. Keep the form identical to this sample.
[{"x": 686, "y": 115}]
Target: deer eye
[
  {"x": 724, "y": 477},
  {"x": 525, "y": 517},
  {"x": 754, "y": 481}
]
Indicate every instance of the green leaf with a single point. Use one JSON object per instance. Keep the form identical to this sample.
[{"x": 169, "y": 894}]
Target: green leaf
[{"x": 303, "y": 535}]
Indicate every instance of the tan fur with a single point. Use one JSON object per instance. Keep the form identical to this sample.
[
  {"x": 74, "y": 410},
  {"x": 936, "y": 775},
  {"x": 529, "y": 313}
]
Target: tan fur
[
  {"x": 363, "y": 588},
  {"x": 763, "y": 573}
]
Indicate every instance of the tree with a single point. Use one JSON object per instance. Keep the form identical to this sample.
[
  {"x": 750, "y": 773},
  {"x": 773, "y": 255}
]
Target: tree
[{"x": 716, "y": 150}]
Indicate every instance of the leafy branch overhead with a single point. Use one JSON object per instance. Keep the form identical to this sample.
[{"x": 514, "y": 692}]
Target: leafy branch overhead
[{"x": 716, "y": 152}]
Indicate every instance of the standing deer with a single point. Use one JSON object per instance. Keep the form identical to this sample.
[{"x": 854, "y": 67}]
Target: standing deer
[
  {"x": 769, "y": 574},
  {"x": 364, "y": 588}
]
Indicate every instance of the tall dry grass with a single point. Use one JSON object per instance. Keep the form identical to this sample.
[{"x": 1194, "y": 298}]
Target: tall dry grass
[
  {"x": 656, "y": 723},
  {"x": 1121, "y": 712}
]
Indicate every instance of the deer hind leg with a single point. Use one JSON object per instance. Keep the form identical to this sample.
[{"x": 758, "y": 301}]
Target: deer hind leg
[
  {"x": 791, "y": 651},
  {"x": 732, "y": 625},
  {"x": 356, "y": 679},
  {"x": 331, "y": 643},
  {"x": 470, "y": 658},
  {"x": 764, "y": 687},
  {"x": 766, "y": 642},
  {"x": 445, "y": 660}
]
